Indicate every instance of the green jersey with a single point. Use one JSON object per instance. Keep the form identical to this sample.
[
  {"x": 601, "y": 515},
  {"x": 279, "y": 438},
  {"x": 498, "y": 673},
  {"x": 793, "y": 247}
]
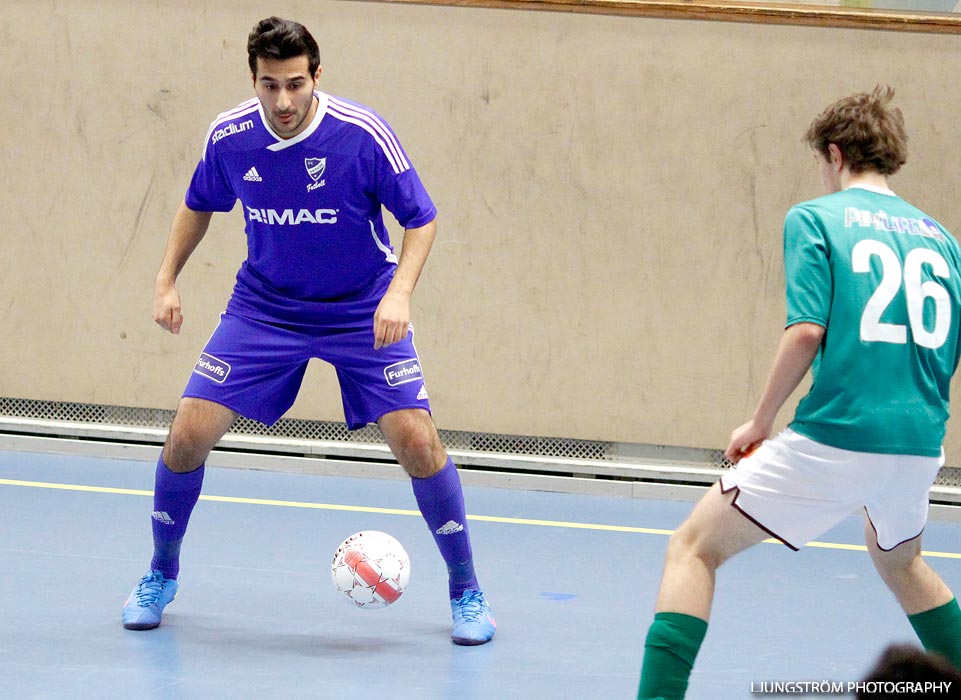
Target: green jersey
[{"x": 884, "y": 279}]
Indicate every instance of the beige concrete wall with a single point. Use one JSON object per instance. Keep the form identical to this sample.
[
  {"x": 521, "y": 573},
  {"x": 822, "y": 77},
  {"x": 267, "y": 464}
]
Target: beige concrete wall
[{"x": 611, "y": 192}]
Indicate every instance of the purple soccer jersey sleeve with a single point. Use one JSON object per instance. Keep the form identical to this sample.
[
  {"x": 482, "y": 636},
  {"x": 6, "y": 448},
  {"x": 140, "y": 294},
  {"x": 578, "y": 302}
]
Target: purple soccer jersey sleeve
[
  {"x": 209, "y": 190},
  {"x": 398, "y": 186}
]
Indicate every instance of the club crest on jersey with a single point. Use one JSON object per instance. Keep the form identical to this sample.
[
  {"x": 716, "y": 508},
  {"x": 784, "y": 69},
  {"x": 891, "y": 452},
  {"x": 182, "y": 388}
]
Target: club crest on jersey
[
  {"x": 212, "y": 368},
  {"x": 403, "y": 372},
  {"x": 315, "y": 168}
]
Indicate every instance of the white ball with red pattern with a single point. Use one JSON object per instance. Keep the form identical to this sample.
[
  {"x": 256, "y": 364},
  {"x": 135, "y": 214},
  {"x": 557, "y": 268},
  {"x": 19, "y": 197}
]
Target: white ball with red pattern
[{"x": 371, "y": 569}]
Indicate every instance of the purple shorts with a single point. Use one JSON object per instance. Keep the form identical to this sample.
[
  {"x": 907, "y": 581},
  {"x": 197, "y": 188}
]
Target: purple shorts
[{"x": 256, "y": 368}]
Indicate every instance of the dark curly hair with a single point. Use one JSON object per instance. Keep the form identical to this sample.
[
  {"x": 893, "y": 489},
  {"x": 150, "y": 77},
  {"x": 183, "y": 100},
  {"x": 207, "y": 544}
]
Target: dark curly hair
[{"x": 279, "y": 39}]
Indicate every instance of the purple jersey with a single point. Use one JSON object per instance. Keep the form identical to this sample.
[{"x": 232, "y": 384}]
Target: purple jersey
[{"x": 316, "y": 240}]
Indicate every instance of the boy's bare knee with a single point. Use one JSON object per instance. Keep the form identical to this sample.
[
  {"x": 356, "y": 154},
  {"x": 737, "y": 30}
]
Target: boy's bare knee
[{"x": 688, "y": 543}]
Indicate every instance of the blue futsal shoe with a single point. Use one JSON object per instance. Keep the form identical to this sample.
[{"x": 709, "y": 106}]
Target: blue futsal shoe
[
  {"x": 147, "y": 601},
  {"x": 473, "y": 620}
]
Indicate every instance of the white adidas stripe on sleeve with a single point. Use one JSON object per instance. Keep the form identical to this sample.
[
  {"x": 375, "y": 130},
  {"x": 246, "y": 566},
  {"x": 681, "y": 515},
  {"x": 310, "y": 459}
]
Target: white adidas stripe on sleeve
[
  {"x": 241, "y": 110},
  {"x": 375, "y": 127}
]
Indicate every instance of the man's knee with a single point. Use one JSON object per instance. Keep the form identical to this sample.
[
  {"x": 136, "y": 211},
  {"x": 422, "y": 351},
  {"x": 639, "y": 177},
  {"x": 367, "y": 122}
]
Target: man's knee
[
  {"x": 193, "y": 434},
  {"x": 185, "y": 450},
  {"x": 415, "y": 443},
  {"x": 421, "y": 455}
]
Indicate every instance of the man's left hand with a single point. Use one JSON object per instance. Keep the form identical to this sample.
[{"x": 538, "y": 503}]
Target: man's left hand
[{"x": 391, "y": 320}]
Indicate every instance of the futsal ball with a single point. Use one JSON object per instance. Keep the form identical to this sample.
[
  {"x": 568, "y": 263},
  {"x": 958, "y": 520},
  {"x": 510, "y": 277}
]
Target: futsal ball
[{"x": 371, "y": 568}]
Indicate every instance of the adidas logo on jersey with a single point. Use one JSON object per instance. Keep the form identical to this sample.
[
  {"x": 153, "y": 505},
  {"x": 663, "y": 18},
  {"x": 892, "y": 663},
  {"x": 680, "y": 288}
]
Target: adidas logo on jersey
[
  {"x": 449, "y": 528},
  {"x": 161, "y": 517},
  {"x": 253, "y": 176}
]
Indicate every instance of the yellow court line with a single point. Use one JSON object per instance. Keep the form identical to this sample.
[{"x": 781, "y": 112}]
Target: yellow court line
[
  {"x": 398, "y": 511},
  {"x": 74, "y": 487},
  {"x": 302, "y": 504},
  {"x": 220, "y": 499},
  {"x": 569, "y": 525}
]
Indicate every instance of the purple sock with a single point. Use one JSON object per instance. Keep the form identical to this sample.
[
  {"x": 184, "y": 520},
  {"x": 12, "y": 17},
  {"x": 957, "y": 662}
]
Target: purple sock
[
  {"x": 441, "y": 501},
  {"x": 175, "y": 496}
]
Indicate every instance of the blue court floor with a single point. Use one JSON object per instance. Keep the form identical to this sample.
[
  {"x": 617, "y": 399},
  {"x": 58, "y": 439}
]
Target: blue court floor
[{"x": 572, "y": 580}]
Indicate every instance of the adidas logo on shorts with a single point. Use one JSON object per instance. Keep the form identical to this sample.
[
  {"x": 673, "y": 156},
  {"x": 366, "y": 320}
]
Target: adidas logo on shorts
[
  {"x": 449, "y": 528},
  {"x": 422, "y": 394}
]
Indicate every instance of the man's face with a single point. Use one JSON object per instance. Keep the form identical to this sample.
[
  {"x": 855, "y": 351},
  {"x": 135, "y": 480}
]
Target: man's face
[{"x": 285, "y": 89}]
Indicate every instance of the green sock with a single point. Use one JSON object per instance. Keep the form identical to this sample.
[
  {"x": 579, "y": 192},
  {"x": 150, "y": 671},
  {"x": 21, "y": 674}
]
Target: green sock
[
  {"x": 939, "y": 630},
  {"x": 672, "y": 644}
]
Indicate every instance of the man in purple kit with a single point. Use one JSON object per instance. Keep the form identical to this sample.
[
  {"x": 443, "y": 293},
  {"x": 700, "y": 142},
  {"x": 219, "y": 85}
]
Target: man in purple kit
[{"x": 312, "y": 172}]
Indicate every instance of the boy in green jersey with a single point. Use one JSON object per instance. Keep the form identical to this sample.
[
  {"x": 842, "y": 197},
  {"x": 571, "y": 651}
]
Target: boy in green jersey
[{"x": 873, "y": 309}]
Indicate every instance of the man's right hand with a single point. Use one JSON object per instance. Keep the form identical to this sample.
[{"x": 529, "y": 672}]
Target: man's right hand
[{"x": 166, "y": 308}]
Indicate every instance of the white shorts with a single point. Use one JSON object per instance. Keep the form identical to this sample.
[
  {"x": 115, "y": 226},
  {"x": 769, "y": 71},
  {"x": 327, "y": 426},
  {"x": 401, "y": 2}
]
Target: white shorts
[{"x": 797, "y": 489}]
